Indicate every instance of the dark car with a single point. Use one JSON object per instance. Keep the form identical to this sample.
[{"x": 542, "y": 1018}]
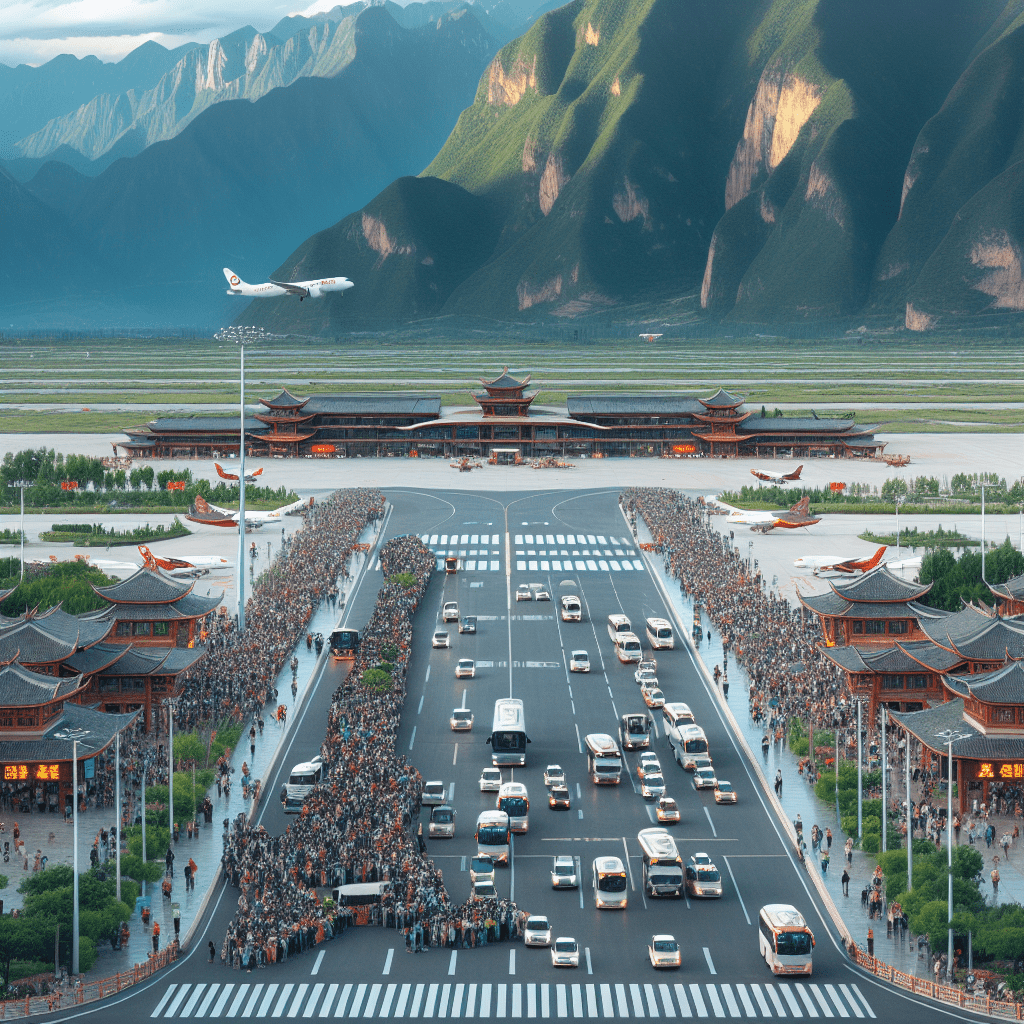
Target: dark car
[{"x": 467, "y": 624}]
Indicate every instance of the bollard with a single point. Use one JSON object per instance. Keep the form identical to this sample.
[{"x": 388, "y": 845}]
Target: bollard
[{"x": 871, "y": 942}]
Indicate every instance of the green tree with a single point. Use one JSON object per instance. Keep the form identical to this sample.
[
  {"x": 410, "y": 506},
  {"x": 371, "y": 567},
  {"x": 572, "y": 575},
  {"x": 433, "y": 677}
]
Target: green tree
[{"x": 894, "y": 488}]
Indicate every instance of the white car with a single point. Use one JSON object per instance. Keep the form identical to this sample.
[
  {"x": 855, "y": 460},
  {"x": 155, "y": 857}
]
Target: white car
[
  {"x": 652, "y": 786},
  {"x": 571, "y": 609},
  {"x": 724, "y": 793},
  {"x": 484, "y": 890},
  {"x": 563, "y": 873},
  {"x": 645, "y": 677},
  {"x": 524, "y": 593},
  {"x": 466, "y": 668},
  {"x": 481, "y": 868},
  {"x": 441, "y": 639},
  {"x": 648, "y": 762},
  {"x": 490, "y": 780},
  {"x": 554, "y": 775},
  {"x": 461, "y": 720},
  {"x": 663, "y": 951},
  {"x": 565, "y": 952},
  {"x": 450, "y": 611},
  {"x": 537, "y": 931},
  {"x": 700, "y": 761},
  {"x": 433, "y": 793},
  {"x": 579, "y": 662},
  {"x": 704, "y": 778},
  {"x": 542, "y": 595},
  {"x": 442, "y": 823},
  {"x": 702, "y": 877}
]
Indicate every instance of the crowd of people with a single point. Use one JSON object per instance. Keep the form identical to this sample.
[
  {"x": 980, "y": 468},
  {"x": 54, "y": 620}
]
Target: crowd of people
[{"x": 357, "y": 825}]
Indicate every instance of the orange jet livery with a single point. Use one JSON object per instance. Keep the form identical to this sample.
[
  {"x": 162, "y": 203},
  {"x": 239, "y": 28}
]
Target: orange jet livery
[
  {"x": 824, "y": 563},
  {"x": 763, "y": 522},
  {"x": 249, "y": 477},
  {"x": 777, "y": 478}
]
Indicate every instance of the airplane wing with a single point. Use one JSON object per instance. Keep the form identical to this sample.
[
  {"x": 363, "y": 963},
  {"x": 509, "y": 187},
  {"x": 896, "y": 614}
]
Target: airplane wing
[
  {"x": 292, "y": 289},
  {"x": 798, "y": 515},
  {"x": 763, "y": 475}
]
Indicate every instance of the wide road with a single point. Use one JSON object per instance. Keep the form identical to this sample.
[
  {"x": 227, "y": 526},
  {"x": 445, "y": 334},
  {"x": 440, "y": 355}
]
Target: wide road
[{"x": 578, "y": 543}]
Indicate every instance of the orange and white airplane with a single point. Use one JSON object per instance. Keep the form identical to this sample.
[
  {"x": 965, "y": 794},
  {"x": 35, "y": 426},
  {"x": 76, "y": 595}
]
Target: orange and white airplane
[
  {"x": 777, "y": 478},
  {"x": 819, "y": 564},
  {"x": 250, "y": 478},
  {"x": 762, "y": 522},
  {"x": 211, "y": 515}
]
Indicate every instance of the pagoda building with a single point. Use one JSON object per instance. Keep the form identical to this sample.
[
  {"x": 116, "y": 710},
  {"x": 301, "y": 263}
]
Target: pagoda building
[
  {"x": 1009, "y": 595},
  {"x": 504, "y": 396},
  {"x": 288, "y": 423},
  {"x": 719, "y": 422}
]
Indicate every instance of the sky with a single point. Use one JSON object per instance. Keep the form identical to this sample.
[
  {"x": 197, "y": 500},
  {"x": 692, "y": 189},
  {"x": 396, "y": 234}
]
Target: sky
[{"x": 34, "y": 31}]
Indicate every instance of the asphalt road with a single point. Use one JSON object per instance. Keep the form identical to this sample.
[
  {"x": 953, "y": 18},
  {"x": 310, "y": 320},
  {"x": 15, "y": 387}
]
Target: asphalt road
[{"x": 522, "y": 649}]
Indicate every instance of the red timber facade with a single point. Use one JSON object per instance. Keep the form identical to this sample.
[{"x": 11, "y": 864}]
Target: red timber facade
[
  {"x": 935, "y": 671},
  {"x": 503, "y": 415}
]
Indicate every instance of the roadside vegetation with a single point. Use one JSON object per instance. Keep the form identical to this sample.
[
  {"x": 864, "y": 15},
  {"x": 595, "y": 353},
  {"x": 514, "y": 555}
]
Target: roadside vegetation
[
  {"x": 68, "y": 584},
  {"x": 89, "y": 535},
  {"x": 958, "y": 580}
]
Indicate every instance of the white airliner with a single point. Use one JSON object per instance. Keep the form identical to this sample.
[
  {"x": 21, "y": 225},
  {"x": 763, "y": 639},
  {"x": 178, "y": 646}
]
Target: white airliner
[
  {"x": 820, "y": 564},
  {"x": 773, "y": 477},
  {"x": 203, "y": 511},
  {"x": 762, "y": 522},
  {"x": 272, "y": 289}
]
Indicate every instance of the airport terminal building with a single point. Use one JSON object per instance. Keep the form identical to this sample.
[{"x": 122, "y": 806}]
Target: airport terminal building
[{"x": 505, "y": 419}]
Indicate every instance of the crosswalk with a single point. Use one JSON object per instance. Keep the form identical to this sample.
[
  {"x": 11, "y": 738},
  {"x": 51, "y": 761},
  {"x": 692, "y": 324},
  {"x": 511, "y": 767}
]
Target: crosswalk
[{"x": 598, "y": 999}]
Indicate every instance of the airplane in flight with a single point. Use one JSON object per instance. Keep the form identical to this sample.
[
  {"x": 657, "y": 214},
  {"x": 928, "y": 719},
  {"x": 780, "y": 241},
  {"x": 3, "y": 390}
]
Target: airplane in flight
[
  {"x": 777, "y": 478},
  {"x": 272, "y": 289},
  {"x": 763, "y": 522},
  {"x": 819, "y": 564},
  {"x": 211, "y": 515},
  {"x": 250, "y": 478}
]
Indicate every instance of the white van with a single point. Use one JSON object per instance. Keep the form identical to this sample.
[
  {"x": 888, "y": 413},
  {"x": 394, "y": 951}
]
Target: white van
[
  {"x": 617, "y": 625},
  {"x": 659, "y": 634},
  {"x": 301, "y": 780},
  {"x": 610, "y": 884},
  {"x": 571, "y": 609},
  {"x": 628, "y": 649}
]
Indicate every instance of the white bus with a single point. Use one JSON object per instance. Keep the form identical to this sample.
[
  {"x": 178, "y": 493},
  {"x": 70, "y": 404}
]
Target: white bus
[
  {"x": 610, "y": 884},
  {"x": 508, "y": 737},
  {"x": 676, "y": 715},
  {"x": 663, "y": 866},
  {"x": 604, "y": 759},
  {"x": 687, "y": 744},
  {"x": 301, "y": 780},
  {"x": 784, "y": 940},
  {"x": 659, "y": 634},
  {"x": 493, "y": 835},
  {"x": 515, "y": 802},
  {"x": 617, "y": 625},
  {"x": 628, "y": 649}
]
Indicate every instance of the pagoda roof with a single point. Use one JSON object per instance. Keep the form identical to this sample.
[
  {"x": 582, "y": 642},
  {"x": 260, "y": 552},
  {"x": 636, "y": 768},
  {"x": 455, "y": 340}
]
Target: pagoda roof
[
  {"x": 99, "y": 728},
  {"x": 624, "y": 405},
  {"x": 4, "y": 594},
  {"x": 154, "y": 661},
  {"x": 20, "y": 687},
  {"x": 51, "y": 637},
  {"x": 873, "y": 659},
  {"x": 375, "y": 404},
  {"x": 284, "y": 400},
  {"x": 505, "y": 381},
  {"x": 202, "y": 424},
  {"x": 937, "y": 659},
  {"x": 97, "y": 658},
  {"x": 722, "y": 399},
  {"x": 147, "y": 586},
  {"x": 846, "y": 657},
  {"x": 798, "y": 425},
  {"x": 995, "y": 641},
  {"x": 713, "y": 436},
  {"x": 476, "y": 418},
  {"x": 835, "y": 605},
  {"x": 1013, "y": 588},
  {"x": 280, "y": 435},
  {"x": 190, "y": 606},
  {"x": 928, "y": 725},
  {"x": 1003, "y": 686},
  {"x": 879, "y": 584},
  {"x": 960, "y": 628}
]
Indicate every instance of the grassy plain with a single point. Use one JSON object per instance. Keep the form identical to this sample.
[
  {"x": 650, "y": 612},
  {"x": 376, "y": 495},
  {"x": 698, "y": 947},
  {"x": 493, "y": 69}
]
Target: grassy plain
[{"x": 57, "y": 385}]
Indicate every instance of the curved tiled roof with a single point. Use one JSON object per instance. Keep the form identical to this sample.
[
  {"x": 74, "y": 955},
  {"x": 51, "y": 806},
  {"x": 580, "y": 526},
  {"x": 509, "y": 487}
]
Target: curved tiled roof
[
  {"x": 374, "y": 404},
  {"x": 938, "y": 659},
  {"x": 97, "y": 658},
  {"x": 1012, "y": 588},
  {"x": 721, "y": 399},
  {"x": 796, "y": 425},
  {"x": 625, "y": 405},
  {"x": 145, "y": 587},
  {"x": 1003, "y": 686},
  {"x": 879, "y": 584},
  {"x": 957, "y": 626},
  {"x": 846, "y": 657},
  {"x": 833, "y": 604},
  {"x": 37, "y": 646},
  {"x": 997, "y": 640},
  {"x": 284, "y": 400},
  {"x": 20, "y": 687},
  {"x": 505, "y": 381},
  {"x": 188, "y": 607}
]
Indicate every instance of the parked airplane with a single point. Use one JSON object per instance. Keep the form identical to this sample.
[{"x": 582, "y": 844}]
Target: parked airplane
[
  {"x": 272, "y": 289},
  {"x": 250, "y": 478},
  {"x": 197, "y": 565},
  {"x": 777, "y": 478},
  {"x": 211, "y": 515},
  {"x": 762, "y": 522},
  {"x": 914, "y": 562},
  {"x": 827, "y": 563}
]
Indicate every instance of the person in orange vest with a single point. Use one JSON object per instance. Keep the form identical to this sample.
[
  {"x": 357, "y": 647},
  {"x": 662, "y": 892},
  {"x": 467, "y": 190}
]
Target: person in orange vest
[
  {"x": 156, "y": 936},
  {"x": 192, "y": 880}
]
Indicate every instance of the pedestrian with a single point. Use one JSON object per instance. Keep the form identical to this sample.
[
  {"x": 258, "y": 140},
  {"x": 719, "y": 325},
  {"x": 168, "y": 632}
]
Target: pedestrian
[
  {"x": 188, "y": 878},
  {"x": 846, "y": 882},
  {"x": 193, "y": 868},
  {"x": 778, "y": 783},
  {"x": 169, "y": 861},
  {"x": 156, "y": 936},
  {"x": 849, "y": 850},
  {"x": 824, "y": 862},
  {"x": 995, "y": 883},
  {"x": 828, "y": 839},
  {"x": 213, "y": 950}
]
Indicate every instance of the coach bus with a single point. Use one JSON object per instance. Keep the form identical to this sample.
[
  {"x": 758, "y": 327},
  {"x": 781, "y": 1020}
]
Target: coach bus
[
  {"x": 508, "y": 737},
  {"x": 784, "y": 940},
  {"x": 515, "y": 802},
  {"x": 493, "y": 835},
  {"x": 687, "y": 744}
]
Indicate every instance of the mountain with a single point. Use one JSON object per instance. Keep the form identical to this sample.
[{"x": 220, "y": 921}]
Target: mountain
[
  {"x": 783, "y": 159},
  {"x": 30, "y": 97},
  {"x": 245, "y": 181}
]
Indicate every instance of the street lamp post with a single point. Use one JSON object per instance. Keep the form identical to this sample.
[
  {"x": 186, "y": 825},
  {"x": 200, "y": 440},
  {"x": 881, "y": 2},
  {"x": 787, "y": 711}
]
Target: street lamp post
[
  {"x": 899, "y": 500},
  {"x": 170, "y": 768},
  {"x": 910, "y": 816},
  {"x": 860, "y": 786},
  {"x": 949, "y": 737},
  {"x": 22, "y": 484},
  {"x": 74, "y": 735},
  {"x": 884, "y": 800},
  {"x": 117, "y": 811}
]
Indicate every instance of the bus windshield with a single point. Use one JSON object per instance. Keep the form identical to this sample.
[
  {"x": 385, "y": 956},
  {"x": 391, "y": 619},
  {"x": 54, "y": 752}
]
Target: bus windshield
[
  {"x": 508, "y": 742},
  {"x": 792, "y": 943},
  {"x": 492, "y": 835},
  {"x": 612, "y": 883},
  {"x": 696, "y": 745},
  {"x": 708, "y": 875},
  {"x": 514, "y": 806}
]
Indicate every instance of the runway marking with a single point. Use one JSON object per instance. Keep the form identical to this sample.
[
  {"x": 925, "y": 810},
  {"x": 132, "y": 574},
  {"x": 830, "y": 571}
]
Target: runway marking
[{"x": 637, "y": 1000}]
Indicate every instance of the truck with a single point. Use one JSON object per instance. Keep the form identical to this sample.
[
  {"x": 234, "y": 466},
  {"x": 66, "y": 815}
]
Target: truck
[
  {"x": 604, "y": 759},
  {"x": 635, "y": 731},
  {"x": 663, "y": 866}
]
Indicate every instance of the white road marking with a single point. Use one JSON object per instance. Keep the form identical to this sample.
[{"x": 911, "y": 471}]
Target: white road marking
[{"x": 319, "y": 960}]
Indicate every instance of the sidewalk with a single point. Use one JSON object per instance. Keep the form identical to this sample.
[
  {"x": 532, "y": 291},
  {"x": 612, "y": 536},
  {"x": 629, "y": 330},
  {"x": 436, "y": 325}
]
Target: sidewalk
[
  {"x": 798, "y": 797},
  {"x": 48, "y": 833}
]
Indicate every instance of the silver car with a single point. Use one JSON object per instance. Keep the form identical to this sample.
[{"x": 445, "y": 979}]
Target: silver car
[
  {"x": 704, "y": 778},
  {"x": 579, "y": 662},
  {"x": 537, "y": 931},
  {"x": 563, "y": 873},
  {"x": 490, "y": 780},
  {"x": 565, "y": 952},
  {"x": 524, "y": 593},
  {"x": 440, "y": 639},
  {"x": 663, "y": 951},
  {"x": 434, "y": 793},
  {"x": 652, "y": 786},
  {"x": 554, "y": 775}
]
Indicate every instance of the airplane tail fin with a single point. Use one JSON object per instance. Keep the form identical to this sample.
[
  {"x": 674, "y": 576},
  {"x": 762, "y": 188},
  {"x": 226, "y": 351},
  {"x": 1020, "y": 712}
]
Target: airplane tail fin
[
  {"x": 235, "y": 283},
  {"x": 874, "y": 559},
  {"x": 802, "y": 507},
  {"x": 795, "y": 475},
  {"x": 222, "y": 474}
]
